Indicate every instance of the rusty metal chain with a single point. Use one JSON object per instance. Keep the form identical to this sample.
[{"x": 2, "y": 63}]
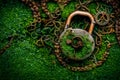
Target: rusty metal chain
[
  {"x": 52, "y": 22},
  {"x": 45, "y": 9},
  {"x": 58, "y": 51},
  {"x": 116, "y": 5},
  {"x": 117, "y": 28},
  {"x": 117, "y": 25},
  {"x": 59, "y": 26},
  {"x": 56, "y": 13},
  {"x": 37, "y": 19},
  {"x": 7, "y": 46},
  {"x": 58, "y": 54},
  {"x": 83, "y": 5},
  {"x": 36, "y": 14}
]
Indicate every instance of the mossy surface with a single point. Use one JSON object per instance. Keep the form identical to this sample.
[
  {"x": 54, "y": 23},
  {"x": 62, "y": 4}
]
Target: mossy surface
[
  {"x": 72, "y": 52},
  {"x": 25, "y": 61}
]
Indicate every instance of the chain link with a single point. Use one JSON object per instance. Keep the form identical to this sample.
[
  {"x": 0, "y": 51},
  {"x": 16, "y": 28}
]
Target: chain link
[{"x": 58, "y": 27}]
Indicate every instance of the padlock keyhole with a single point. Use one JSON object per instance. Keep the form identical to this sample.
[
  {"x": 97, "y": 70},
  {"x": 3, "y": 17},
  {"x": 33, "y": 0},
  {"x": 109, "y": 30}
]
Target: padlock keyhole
[{"x": 75, "y": 42}]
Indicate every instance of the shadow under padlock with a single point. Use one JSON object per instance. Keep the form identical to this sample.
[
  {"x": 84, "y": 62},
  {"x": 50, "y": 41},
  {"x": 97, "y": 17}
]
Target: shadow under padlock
[{"x": 84, "y": 39}]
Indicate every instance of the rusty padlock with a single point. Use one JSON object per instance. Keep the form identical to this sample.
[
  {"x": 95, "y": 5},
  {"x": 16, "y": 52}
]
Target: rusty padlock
[{"x": 83, "y": 34}]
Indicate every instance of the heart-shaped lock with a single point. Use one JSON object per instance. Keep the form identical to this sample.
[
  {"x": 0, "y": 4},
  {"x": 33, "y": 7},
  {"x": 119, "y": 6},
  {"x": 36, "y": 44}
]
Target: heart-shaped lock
[{"x": 77, "y": 44}]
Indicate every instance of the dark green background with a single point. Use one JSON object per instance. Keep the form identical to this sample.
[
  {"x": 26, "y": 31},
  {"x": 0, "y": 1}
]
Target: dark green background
[{"x": 25, "y": 61}]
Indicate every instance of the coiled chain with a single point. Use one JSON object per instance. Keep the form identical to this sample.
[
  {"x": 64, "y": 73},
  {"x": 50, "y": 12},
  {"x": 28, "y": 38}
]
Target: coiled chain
[{"x": 53, "y": 25}]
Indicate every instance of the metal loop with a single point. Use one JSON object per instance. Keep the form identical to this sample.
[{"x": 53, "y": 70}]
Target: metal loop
[{"x": 82, "y": 13}]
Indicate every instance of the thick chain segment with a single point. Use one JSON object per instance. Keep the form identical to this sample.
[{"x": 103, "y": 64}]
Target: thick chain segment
[
  {"x": 56, "y": 13},
  {"x": 36, "y": 14},
  {"x": 80, "y": 68}
]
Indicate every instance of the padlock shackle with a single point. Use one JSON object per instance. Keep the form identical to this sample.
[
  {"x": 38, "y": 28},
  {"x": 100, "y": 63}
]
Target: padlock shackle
[{"x": 82, "y": 13}]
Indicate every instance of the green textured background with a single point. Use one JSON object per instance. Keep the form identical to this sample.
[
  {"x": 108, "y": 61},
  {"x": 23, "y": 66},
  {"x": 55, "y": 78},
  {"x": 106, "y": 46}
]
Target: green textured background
[{"x": 24, "y": 61}]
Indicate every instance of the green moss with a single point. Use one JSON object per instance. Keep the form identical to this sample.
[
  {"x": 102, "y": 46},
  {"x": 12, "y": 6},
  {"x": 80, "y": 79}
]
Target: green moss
[
  {"x": 52, "y": 6},
  {"x": 69, "y": 51},
  {"x": 67, "y": 10},
  {"x": 24, "y": 61}
]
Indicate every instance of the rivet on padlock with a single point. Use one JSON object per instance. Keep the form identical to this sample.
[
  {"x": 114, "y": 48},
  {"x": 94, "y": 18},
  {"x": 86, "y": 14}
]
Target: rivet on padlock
[{"x": 85, "y": 37}]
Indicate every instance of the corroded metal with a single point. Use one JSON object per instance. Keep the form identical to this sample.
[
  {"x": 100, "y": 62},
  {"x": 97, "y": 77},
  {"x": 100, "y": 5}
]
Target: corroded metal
[
  {"x": 82, "y": 13},
  {"x": 36, "y": 14},
  {"x": 80, "y": 68},
  {"x": 57, "y": 30},
  {"x": 117, "y": 28},
  {"x": 102, "y": 18},
  {"x": 7, "y": 45}
]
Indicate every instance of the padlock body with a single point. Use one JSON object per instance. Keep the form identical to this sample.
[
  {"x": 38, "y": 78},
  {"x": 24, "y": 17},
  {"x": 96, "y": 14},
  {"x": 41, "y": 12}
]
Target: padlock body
[{"x": 79, "y": 53}]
